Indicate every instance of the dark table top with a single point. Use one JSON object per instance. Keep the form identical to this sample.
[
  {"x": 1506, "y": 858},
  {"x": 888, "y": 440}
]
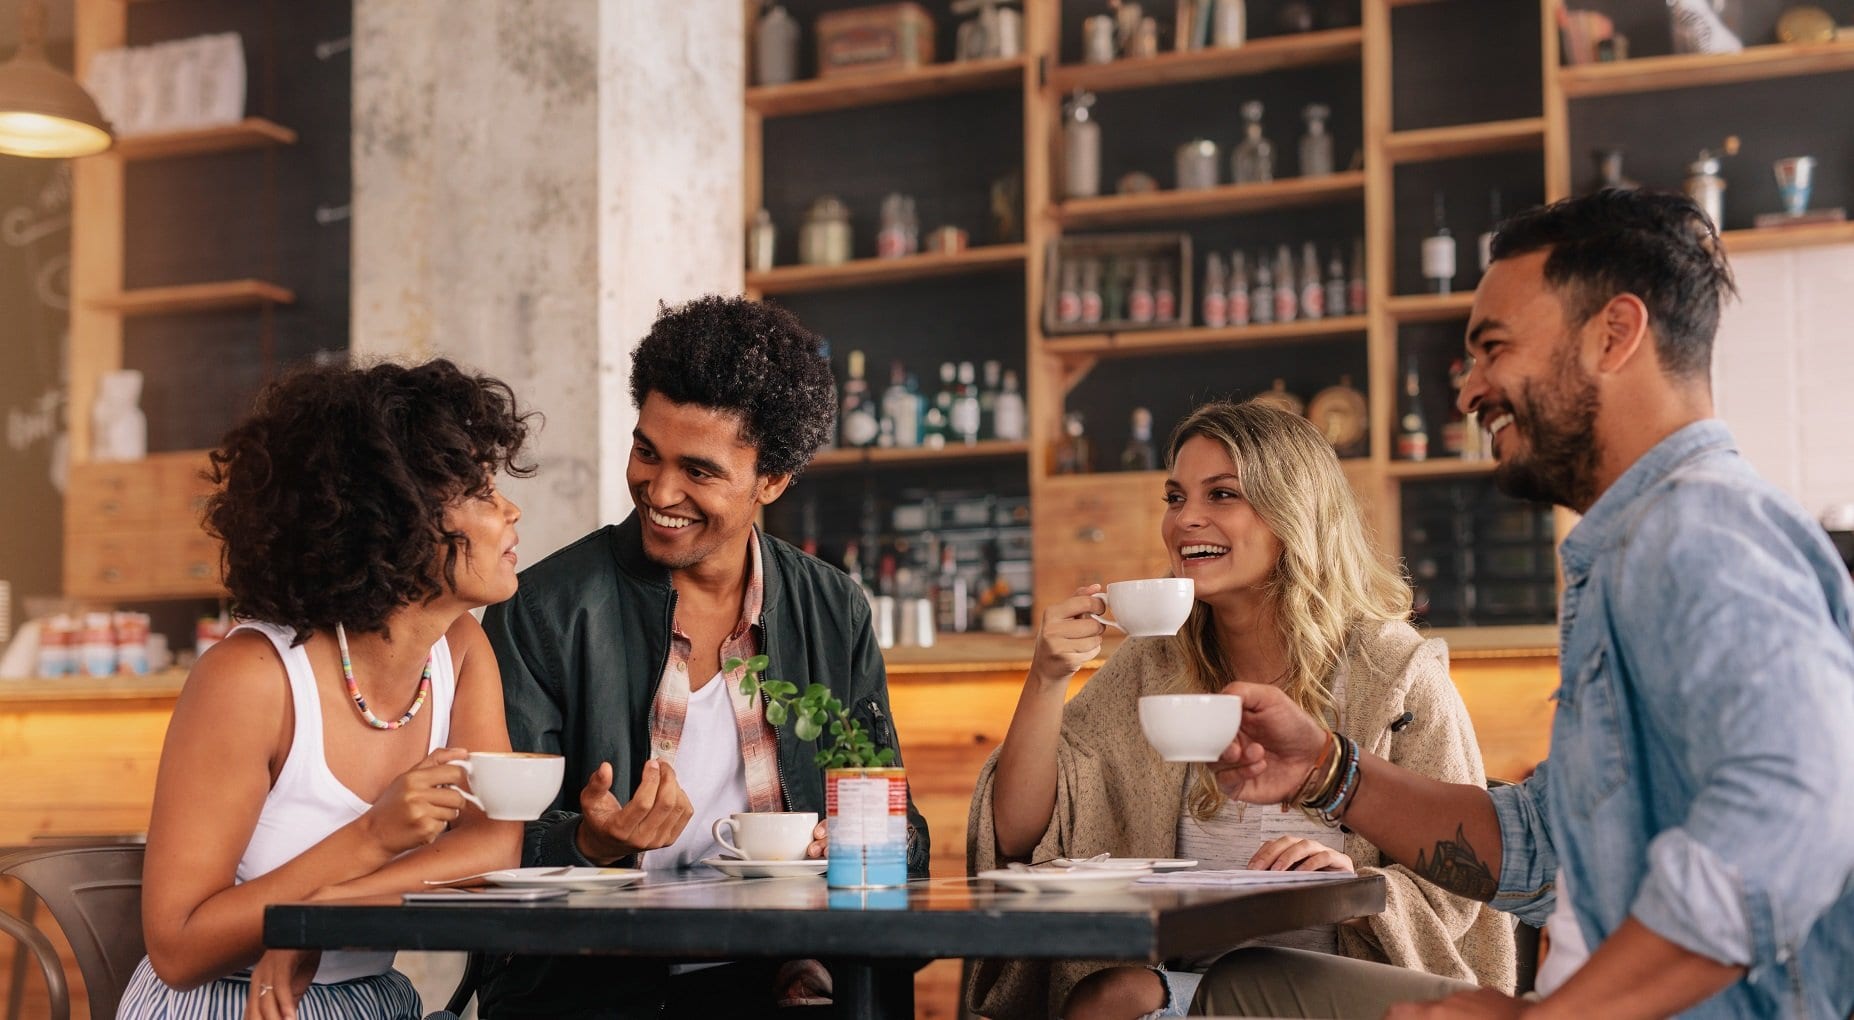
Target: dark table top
[{"x": 701, "y": 916}]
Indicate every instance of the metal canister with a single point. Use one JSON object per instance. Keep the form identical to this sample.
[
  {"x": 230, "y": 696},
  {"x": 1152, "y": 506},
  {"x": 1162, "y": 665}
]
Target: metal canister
[
  {"x": 1081, "y": 149},
  {"x": 867, "y": 812},
  {"x": 1706, "y": 188},
  {"x": 824, "y": 239},
  {"x": 1098, "y": 43},
  {"x": 762, "y": 240},
  {"x": 1196, "y": 163},
  {"x": 775, "y": 48}
]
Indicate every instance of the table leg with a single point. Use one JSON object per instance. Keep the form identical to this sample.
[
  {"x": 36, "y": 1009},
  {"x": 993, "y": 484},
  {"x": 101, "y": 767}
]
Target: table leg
[{"x": 862, "y": 990}]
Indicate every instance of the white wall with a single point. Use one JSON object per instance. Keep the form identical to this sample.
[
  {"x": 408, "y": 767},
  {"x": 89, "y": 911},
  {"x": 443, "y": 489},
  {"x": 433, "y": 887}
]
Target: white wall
[{"x": 1783, "y": 370}]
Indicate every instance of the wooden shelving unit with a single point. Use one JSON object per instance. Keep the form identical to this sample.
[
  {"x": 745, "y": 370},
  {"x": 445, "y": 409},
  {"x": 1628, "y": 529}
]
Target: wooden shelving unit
[
  {"x": 1406, "y": 308},
  {"x": 1658, "y": 74},
  {"x": 1259, "y": 56},
  {"x": 1226, "y": 200},
  {"x": 877, "y": 272},
  {"x": 1461, "y": 140},
  {"x": 819, "y": 95},
  {"x": 1439, "y": 468},
  {"x": 194, "y": 297},
  {"x": 250, "y": 133},
  {"x": 1740, "y": 242},
  {"x": 1171, "y": 341},
  {"x": 890, "y": 456}
]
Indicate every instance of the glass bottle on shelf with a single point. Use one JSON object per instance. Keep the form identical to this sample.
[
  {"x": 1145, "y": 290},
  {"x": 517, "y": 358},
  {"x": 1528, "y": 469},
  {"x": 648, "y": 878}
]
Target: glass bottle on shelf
[
  {"x": 1355, "y": 279},
  {"x": 1081, "y": 148},
  {"x": 1139, "y": 298},
  {"x": 1412, "y": 427},
  {"x": 1609, "y": 170},
  {"x": 1239, "y": 300},
  {"x": 1316, "y": 146},
  {"x": 1439, "y": 253},
  {"x": 1114, "y": 291},
  {"x": 1485, "y": 242},
  {"x": 1312, "y": 289},
  {"x": 1262, "y": 297},
  {"x": 1074, "y": 454},
  {"x": 1091, "y": 291},
  {"x": 1335, "y": 286},
  {"x": 964, "y": 417},
  {"x": 933, "y": 428},
  {"x": 1139, "y": 454},
  {"x": 1216, "y": 298},
  {"x": 1068, "y": 295},
  {"x": 1009, "y": 419},
  {"x": 1254, "y": 160},
  {"x": 1164, "y": 295},
  {"x": 1287, "y": 292},
  {"x": 951, "y": 599},
  {"x": 861, "y": 425},
  {"x": 1230, "y": 23},
  {"x": 901, "y": 408},
  {"x": 990, "y": 381}
]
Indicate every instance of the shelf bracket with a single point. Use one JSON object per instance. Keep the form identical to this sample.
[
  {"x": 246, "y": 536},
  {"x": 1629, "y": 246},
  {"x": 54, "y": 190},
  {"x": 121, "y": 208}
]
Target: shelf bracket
[{"x": 1071, "y": 369}]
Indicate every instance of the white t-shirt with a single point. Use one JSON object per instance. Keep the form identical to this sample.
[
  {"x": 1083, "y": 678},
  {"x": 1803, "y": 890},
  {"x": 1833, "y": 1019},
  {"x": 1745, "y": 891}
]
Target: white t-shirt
[
  {"x": 710, "y": 770},
  {"x": 1568, "y": 951}
]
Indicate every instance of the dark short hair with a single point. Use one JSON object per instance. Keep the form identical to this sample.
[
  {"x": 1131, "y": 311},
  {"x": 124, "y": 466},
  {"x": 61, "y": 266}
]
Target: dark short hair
[
  {"x": 330, "y": 496},
  {"x": 1657, "y": 246},
  {"x": 747, "y": 359}
]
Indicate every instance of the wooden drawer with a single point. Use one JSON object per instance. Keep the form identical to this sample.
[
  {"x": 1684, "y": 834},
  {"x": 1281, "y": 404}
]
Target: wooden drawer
[
  {"x": 182, "y": 488},
  {"x": 112, "y": 497},
  {"x": 1095, "y": 530},
  {"x": 110, "y": 565},
  {"x": 186, "y": 563}
]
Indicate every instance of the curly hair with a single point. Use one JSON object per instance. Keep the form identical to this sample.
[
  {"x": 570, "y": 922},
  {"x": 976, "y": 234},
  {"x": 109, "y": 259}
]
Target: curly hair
[
  {"x": 330, "y": 497},
  {"x": 749, "y": 359}
]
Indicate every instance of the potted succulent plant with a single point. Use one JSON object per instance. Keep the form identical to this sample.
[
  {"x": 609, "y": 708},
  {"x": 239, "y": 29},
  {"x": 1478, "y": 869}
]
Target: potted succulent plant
[{"x": 865, "y": 794}]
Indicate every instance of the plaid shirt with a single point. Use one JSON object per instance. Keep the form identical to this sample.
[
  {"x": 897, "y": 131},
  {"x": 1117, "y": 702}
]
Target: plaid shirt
[{"x": 759, "y": 748}]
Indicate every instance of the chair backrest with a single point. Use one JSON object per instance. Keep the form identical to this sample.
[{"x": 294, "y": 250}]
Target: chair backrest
[{"x": 95, "y": 894}]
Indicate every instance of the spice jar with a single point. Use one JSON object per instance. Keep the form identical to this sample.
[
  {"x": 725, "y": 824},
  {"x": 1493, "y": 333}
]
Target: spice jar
[{"x": 824, "y": 239}]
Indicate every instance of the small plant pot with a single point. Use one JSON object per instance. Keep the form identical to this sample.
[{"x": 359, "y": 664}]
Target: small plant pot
[{"x": 867, "y": 810}]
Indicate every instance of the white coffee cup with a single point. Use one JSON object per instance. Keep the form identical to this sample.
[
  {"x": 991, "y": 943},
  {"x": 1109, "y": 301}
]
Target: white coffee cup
[
  {"x": 512, "y": 786},
  {"x": 767, "y": 835},
  {"x": 1190, "y": 727},
  {"x": 1155, "y": 607}
]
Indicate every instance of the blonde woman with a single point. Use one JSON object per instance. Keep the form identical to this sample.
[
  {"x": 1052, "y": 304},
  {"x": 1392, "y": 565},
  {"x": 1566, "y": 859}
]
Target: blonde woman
[{"x": 1289, "y": 593}]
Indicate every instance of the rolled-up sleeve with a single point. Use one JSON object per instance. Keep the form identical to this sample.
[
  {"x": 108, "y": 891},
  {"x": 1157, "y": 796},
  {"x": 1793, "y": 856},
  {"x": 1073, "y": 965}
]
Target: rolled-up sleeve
[
  {"x": 1528, "y": 862},
  {"x": 1744, "y": 678}
]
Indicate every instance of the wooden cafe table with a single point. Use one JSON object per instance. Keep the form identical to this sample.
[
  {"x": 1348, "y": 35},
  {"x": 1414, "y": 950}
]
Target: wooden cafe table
[{"x": 702, "y": 915}]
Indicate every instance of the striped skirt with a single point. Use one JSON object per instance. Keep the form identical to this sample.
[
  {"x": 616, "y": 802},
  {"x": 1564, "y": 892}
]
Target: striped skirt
[{"x": 388, "y": 996}]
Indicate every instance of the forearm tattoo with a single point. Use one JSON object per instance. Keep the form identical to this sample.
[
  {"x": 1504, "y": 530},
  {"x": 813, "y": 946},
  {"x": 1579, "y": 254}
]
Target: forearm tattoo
[{"x": 1455, "y": 867}]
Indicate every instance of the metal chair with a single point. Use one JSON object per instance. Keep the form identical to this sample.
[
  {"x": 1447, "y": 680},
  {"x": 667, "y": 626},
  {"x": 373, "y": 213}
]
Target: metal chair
[{"x": 95, "y": 895}]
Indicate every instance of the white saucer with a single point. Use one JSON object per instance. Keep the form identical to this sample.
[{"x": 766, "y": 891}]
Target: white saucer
[
  {"x": 734, "y": 867},
  {"x": 1063, "y": 880},
  {"x": 1152, "y": 863},
  {"x": 571, "y": 878}
]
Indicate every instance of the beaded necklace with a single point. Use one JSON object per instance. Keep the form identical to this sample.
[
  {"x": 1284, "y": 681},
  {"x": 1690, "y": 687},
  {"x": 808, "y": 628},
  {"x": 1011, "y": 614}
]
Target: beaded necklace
[{"x": 347, "y": 673}]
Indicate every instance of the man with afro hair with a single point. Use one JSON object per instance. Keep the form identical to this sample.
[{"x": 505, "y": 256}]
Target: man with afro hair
[{"x": 612, "y": 654}]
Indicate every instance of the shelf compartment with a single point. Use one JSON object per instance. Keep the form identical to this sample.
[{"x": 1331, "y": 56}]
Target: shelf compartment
[
  {"x": 1167, "y": 341},
  {"x": 1463, "y": 140},
  {"x": 1278, "y": 53},
  {"x": 818, "y": 95},
  {"x": 1744, "y": 242},
  {"x": 1441, "y": 467},
  {"x": 1658, "y": 74},
  {"x": 875, "y": 272},
  {"x": 250, "y": 133},
  {"x": 886, "y": 456},
  {"x": 1430, "y": 307},
  {"x": 1224, "y": 200},
  {"x": 194, "y": 297}
]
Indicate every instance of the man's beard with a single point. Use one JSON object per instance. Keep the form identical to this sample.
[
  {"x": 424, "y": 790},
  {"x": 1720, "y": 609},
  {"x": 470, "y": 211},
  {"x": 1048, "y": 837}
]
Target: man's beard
[{"x": 1559, "y": 428}]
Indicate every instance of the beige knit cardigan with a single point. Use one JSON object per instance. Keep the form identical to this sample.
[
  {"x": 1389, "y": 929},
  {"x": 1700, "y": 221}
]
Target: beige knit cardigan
[{"x": 1114, "y": 794}]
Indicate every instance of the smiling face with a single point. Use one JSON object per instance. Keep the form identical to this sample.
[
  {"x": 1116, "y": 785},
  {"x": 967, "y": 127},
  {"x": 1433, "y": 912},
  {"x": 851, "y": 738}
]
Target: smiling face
[
  {"x": 1535, "y": 399},
  {"x": 1212, "y": 532},
  {"x": 486, "y": 560},
  {"x": 696, "y": 484}
]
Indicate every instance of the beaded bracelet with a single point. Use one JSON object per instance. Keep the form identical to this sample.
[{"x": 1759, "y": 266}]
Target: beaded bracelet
[{"x": 1333, "y": 808}]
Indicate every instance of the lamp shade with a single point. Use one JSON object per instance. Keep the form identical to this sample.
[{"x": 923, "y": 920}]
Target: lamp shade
[{"x": 43, "y": 111}]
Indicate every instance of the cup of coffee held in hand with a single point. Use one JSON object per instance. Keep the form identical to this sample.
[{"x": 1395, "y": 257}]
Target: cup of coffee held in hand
[
  {"x": 767, "y": 835},
  {"x": 1155, "y": 607},
  {"x": 512, "y": 786},
  {"x": 1190, "y": 727}
]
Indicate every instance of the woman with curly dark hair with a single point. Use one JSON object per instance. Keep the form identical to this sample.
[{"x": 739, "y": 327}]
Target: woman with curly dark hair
[{"x": 311, "y": 753}]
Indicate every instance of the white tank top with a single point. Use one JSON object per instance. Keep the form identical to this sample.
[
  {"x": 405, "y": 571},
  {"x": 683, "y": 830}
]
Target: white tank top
[{"x": 307, "y": 803}]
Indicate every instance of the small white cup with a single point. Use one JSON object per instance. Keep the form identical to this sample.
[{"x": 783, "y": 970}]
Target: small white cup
[
  {"x": 1190, "y": 727},
  {"x": 512, "y": 786},
  {"x": 767, "y": 835},
  {"x": 1155, "y": 607}
]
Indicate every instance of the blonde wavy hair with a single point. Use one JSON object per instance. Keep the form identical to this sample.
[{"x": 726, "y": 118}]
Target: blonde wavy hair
[{"x": 1328, "y": 581}]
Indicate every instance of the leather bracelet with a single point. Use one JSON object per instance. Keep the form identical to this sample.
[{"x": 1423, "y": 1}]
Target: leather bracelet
[
  {"x": 1315, "y": 775},
  {"x": 1333, "y": 774}
]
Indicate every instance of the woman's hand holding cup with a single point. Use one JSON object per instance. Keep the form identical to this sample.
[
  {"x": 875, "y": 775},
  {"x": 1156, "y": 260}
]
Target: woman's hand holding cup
[
  {"x": 419, "y": 804},
  {"x": 1069, "y": 637}
]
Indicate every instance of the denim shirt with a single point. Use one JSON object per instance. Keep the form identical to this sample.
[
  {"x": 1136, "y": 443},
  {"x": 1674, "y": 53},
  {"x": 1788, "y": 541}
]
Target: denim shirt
[{"x": 1703, "y": 744}]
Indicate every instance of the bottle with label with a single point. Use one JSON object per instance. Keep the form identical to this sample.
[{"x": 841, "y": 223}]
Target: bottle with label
[
  {"x": 1139, "y": 454},
  {"x": 1068, "y": 295},
  {"x": 964, "y": 417},
  {"x": 901, "y": 408},
  {"x": 1139, "y": 298},
  {"x": 1316, "y": 146},
  {"x": 1216, "y": 298},
  {"x": 1010, "y": 421},
  {"x": 1254, "y": 159},
  {"x": 990, "y": 381},
  {"x": 1355, "y": 280},
  {"x": 1239, "y": 306},
  {"x": 1412, "y": 427},
  {"x": 1091, "y": 291},
  {"x": 1262, "y": 296},
  {"x": 1164, "y": 295},
  {"x": 952, "y": 601},
  {"x": 1287, "y": 293},
  {"x": 1081, "y": 148},
  {"x": 1335, "y": 287},
  {"x": 1439, "y": 254},
  {"x": 861, "y": 423},
  {"x": 1312, "y": 289},
  {"x": 1074, "y": 454}
]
